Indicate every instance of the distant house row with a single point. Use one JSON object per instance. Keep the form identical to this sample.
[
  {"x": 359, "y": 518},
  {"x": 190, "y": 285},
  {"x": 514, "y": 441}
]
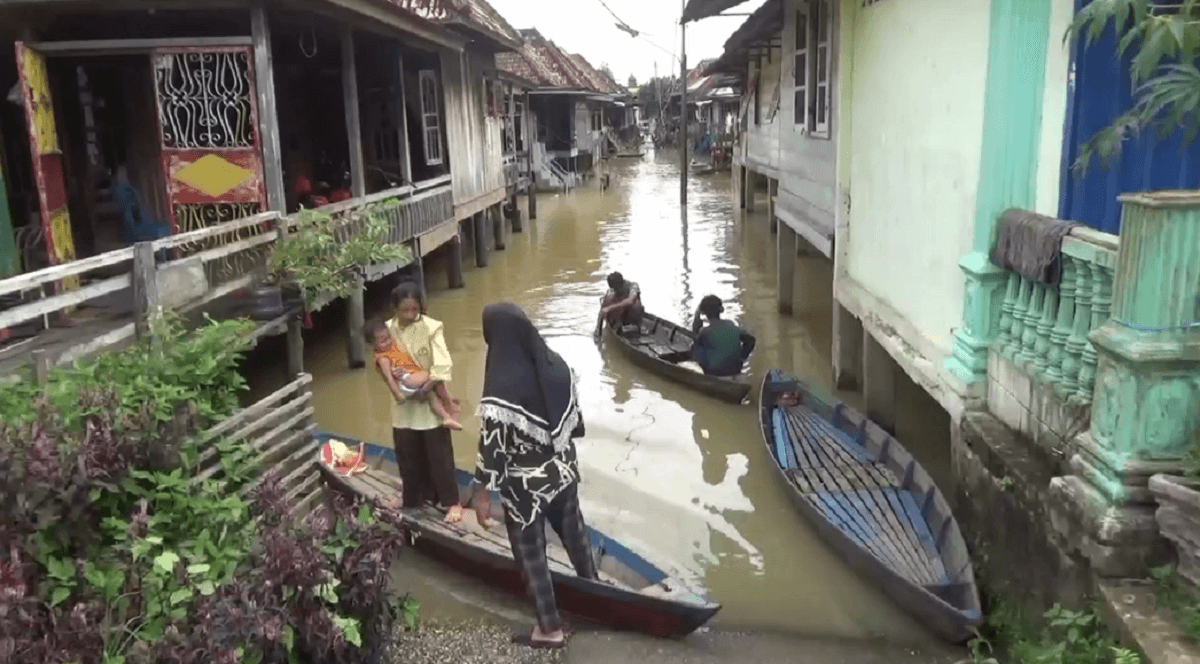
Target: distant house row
[{"x": 124, "y": 122}]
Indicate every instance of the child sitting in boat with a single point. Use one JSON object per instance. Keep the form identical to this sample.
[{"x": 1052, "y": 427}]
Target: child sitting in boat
[{"x": 404, "y": 376}]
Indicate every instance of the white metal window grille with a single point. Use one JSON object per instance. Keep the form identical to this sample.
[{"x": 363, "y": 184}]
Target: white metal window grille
[{"x": 431, "y": 125}]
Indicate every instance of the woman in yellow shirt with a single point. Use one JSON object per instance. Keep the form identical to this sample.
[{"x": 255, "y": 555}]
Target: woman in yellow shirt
[{"x": 424, "y": 452}]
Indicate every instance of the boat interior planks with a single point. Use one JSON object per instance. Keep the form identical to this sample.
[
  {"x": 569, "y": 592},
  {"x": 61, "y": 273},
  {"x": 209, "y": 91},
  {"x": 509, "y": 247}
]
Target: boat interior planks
[{"x": 869, "y": 496}]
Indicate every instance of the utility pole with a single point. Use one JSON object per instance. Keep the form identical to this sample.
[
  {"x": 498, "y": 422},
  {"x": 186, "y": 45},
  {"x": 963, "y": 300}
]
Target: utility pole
[{"x": 683, "y": 112}]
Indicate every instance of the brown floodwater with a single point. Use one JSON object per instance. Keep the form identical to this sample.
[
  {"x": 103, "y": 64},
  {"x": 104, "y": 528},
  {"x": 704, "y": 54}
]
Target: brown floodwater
[{"x": 682, "y": 478}]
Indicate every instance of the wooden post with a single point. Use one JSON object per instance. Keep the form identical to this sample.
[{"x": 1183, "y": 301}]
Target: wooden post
[
  {"x": 268, "y": 118},
  {"x": 356, "y": 344},
  {"x": 847, "y": 349},
  {"x": 499, "y": 226},
  {"x": 879, "y": 383},
  {"x": 295, "y": 348},
  {"x": 772, "y": 192},
  {"x": 454, "y": 271},
  {"x": 530, "y": 141},
  {"x": 358, "y": 184},
  {"x": 145, "y": 290},
  {"x": 419, "y": 264},
  {"x": 405, "y": 153},
  {"x": 518, "y": 221},
  {"x": 479, "y": 224},
  {"x": 748, "y": 192},
  {"x": 41, "y": 366},
  {"x": 785, "y": 257}
]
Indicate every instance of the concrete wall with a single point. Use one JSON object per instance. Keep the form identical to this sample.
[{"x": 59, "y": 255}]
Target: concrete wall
[{"x": 917, "y": 115}]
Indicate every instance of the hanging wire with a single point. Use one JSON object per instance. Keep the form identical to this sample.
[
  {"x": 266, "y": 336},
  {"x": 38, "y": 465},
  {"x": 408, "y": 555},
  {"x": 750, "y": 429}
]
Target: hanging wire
[{"x": 313, "y": 31}]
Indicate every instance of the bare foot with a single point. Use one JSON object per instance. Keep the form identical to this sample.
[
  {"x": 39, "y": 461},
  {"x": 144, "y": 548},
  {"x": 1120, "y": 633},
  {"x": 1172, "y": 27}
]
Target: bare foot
[
  {"x": 454, "y": 514},
  {"x": 452, "y": 424}
]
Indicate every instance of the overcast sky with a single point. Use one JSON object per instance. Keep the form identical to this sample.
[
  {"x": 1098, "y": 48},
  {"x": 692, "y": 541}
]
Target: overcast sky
[{"x": 587, "y": 28}]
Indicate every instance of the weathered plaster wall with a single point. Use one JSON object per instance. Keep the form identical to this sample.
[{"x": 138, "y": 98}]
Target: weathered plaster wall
[
  {"x": 917, "y": 117},
  {"x": 1001, "y": 499}
]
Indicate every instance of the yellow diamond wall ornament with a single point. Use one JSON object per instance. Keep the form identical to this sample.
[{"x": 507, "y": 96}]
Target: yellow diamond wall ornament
[{"x": 213, "y": 175}]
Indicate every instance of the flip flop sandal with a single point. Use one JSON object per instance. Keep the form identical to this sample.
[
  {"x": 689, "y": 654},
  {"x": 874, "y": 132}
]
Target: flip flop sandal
[{"x": 526, "y": 639}]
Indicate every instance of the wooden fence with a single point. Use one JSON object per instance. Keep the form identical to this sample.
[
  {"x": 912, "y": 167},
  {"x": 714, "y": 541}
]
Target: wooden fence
[
  {"x": 205, "y": 265},
  {"x": 281, "y": 432}
]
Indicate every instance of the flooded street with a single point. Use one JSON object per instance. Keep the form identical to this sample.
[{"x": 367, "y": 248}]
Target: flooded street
[{"x": 681, "y": 477}]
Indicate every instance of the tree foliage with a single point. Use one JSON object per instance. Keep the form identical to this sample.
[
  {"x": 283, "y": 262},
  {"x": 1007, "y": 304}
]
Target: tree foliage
[{"x": 1164, "y": 40}]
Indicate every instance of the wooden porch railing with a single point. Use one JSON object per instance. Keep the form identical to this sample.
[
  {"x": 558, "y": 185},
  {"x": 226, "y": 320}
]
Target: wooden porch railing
[
  {"x": 217, "y": 261},
  {"x": 1044, "y": 330}
]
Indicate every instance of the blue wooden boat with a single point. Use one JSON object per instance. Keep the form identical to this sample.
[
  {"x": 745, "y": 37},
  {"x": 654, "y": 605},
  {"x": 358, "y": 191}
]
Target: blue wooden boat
[
  {"x": 873, "y": 503},
  {"x": 632, "y": 592}
]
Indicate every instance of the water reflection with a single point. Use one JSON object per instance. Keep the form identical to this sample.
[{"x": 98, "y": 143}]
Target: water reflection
[{"x": 680, "y": 477}]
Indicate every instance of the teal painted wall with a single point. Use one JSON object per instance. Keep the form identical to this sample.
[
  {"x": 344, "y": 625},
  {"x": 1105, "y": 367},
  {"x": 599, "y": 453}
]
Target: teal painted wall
[{"x": 1013, "y": 105}]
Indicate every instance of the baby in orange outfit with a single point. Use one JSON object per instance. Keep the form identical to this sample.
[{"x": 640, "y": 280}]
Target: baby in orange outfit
[{"x": 404, "y": 376}]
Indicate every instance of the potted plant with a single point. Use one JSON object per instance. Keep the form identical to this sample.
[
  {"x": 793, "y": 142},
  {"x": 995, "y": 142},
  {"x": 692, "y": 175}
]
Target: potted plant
[
  {"x": 323, "y": 255},
  {"x": 1178, "y": 513}
]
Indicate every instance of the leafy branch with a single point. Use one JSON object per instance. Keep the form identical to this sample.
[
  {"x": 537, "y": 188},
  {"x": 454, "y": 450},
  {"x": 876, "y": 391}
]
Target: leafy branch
[
  {"x": 322, "y": 252},
  {"x": 1163, "y": 73}
]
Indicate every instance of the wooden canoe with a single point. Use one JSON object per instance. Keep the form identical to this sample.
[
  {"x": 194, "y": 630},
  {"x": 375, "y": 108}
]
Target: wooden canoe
[
  {"x": 633, "y": 593},
  {"x": 665, "y": 348},
  {"x": 873, "y": 503}
]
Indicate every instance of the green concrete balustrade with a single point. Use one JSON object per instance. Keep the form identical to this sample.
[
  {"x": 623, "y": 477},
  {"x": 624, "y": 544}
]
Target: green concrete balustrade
[
  {"x": 1145, "y": 360},
  {"x": 1044, "y": 330}
]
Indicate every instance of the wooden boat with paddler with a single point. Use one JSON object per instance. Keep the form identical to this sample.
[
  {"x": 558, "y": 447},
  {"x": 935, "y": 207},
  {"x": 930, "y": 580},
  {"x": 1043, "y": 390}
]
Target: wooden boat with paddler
[{"x": 665, "y": 348}]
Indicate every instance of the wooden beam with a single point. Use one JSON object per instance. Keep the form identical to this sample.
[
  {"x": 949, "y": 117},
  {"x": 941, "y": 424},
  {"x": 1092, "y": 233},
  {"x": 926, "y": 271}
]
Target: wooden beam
[
  {"x": 268, "y": 116},
  {"x": 113, "y": 46},
  {"x": 358, "y": 184},
  {"x": 49, "y": 305},
  {"x": 41, "y": 366},
  {"x": 405, "y": 151},
  {"x": 46, "y": 275}
]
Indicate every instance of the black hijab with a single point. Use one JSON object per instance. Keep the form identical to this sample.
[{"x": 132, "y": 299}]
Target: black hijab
[{"x": 526, "y": 384}]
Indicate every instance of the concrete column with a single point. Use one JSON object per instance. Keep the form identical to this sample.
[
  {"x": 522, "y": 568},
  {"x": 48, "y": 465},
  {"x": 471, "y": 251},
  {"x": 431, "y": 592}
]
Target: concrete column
[
  {"x": 356, "y": 344},
  {"x": 785, "y": 265},
  {"x": 518, "y": 221},
  {"x": 879, "y": 383},
  {"x": 295, "y": 348},
  {"x": 480, "y": 226},
  {"x": 847, "y": 349},
  {"x": 532, "y": 199},
  {"x": 499, "y": 225},
  {"x": 454, "y": 271},
  {"x": 772, "y": 192}
]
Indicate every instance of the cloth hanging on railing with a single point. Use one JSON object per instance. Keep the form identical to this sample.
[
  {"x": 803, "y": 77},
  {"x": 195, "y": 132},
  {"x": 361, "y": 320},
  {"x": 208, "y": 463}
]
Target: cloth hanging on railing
[{"x": 1030, "y": 244}]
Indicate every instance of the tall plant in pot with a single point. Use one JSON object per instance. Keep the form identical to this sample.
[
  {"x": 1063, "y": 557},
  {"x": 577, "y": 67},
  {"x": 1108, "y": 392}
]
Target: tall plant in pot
[{"x": 323, "y": 254}]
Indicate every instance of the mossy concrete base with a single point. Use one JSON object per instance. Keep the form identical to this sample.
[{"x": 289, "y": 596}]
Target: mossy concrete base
[{"x": 1131, "y": 612}]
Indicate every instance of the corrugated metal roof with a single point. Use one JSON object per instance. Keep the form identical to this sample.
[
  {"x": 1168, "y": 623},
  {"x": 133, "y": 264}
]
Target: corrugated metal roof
[{"x": 698, "y": 9}]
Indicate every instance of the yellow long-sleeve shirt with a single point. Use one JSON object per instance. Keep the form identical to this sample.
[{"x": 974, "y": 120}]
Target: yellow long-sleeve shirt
[{"x": 426, "y": 344}]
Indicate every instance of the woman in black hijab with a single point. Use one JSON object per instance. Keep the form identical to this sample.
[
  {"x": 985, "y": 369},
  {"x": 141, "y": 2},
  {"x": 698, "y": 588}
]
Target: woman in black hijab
[{"x": 530, "y": 416}]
